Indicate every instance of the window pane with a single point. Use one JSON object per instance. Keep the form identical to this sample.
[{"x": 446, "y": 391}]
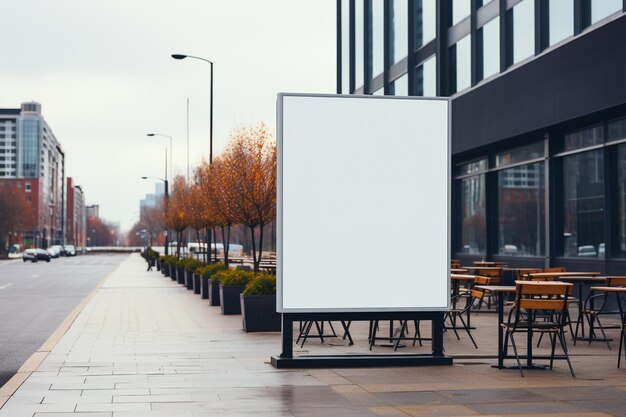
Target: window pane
[
  {"x": 521, "y": 211},
  {"x": 603, "y": 8},
  {"x": 401, "y": 86},
  {"x": 426, "y": 78},
  {"x": 561, "y": 16},
  {"x": 378, "y": 41},
  {"x": 523, "y": 30},
  {"x": 621, "y": 200},
  {"x": 473, "y": 215},
  {"x": 425, "y": 21},
  {"x": 358, "y": 44},
  {"x": 471, "y": 168},
  {"x": 491, "y": 47},
  {"x": 400, "y": 30},
  {"x": 345, "y": 46},
  {"x": 583, "y": 138},
  {"x": 463, "y": 63},
  {"x": 524, "y": 153},
  {"x": 460, "y": 10},
  {"x": 617, "y": 129},
  {"x": 583, "y": 204}
]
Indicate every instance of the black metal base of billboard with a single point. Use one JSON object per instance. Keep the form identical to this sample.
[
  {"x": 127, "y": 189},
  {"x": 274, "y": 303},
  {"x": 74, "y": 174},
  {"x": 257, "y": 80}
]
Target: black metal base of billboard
[{"x": 287, "y": 360}]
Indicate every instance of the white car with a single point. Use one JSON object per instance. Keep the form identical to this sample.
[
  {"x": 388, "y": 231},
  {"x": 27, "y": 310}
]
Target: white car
[{"x": 70, "y": 250}]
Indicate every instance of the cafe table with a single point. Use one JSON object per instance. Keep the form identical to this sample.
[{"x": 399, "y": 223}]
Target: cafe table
[
  {"x": 489, "y": 263},
  {"x": 617, "y": 291}
]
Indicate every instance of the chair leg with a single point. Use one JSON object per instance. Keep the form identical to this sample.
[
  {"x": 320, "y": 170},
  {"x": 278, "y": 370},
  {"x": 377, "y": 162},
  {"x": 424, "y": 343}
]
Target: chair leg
[
  {"x": 417, "y": 336},
  {"x": 519, "y": 364},
  {"x": 373, "y": 333},
  {"x": 400, "y": 335},
  {"x": 564, "y": 346},
  {"x": 622, "y": 338},
  {"x": 553, "y": 345},
  {"x": 468, "y": 331},
  {"x": 320, "y": 330},
  {"x": 306, "y": 333},
  {"x": 606, "y": 339}
]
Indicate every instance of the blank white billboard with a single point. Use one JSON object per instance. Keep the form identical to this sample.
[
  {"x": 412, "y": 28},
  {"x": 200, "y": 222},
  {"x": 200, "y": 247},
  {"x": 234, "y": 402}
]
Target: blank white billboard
[{"x": 363, "y": 203}]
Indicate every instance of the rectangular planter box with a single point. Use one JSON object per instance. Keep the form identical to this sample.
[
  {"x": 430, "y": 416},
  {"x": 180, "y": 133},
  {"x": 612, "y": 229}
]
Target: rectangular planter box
[
  {"x": 229, "y": 299},
  {"x": 214, "y": 294},
  {"x": 158, "y": 265},
  {"x": 204, "y": 287},
  {"x": 189, "y": 280},
  {"x": 180, "y": 275},
  {"x": 258, "y": 313},
  {"x": 196, "y": 284},
  {"x": 165, "y": 270},
  {"x": 173, "y": 272}
]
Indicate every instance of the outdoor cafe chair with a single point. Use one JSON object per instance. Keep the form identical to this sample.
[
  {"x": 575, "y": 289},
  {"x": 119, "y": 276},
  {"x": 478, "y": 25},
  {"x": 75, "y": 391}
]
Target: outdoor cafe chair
[
  {"x": 495, "y": 274},
  {"x": 531, "y": 298},
  {"x": 457, "y": 313},
  {"x": 597, "y": 304}
]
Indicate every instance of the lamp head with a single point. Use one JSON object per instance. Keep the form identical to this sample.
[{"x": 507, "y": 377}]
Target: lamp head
[
  {"x": 150, "y": 134},
  {"x": 144, "y": 178},
  {"x": 179, "y": 56}
]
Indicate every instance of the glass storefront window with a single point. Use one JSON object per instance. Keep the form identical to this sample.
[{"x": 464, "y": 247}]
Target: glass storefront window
[
  {"x": 521, "y": 211},
  {"x": 460, "y": 10},
  {"x": 473, "y": 229},
  {"x": 523, "y": 30},
  {"x": 603, "y": 8},
  {"x": 617, "y": 129},
  {"x": 561, "y": 19},
  {"x": 378, "y": 37},
  {"x": 583, "y": 138},
  {"x": 491, "y": 47},
  {"x": 583, "y": 205},
  {"x": 358, "y": 44},
  {"x": 463, "y": 63},
  {"x": 426, "y": 78},
  {"x": 521, "y": 154},
  {"x": 400, "y": 25},
  {"x": 401, "y": 86},
  {"x": 471, "y": 168},
  {"x": 345, "y": 47},
  {"x": 425, "y": 22}
]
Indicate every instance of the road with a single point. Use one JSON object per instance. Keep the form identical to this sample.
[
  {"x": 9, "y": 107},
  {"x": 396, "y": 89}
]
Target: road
[{"x": 35, "y": 298}]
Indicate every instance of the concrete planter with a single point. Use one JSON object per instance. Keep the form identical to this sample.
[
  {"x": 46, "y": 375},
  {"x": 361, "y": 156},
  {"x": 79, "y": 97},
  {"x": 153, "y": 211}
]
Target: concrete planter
[
  {"x": 180, "y": 275},
  {"x": 229, "y": 299},
  {"x": 258, "y": 313},
  {"x": 214, "y": 294},
  {"x": 204, "y": 287},
  {"x": 189, "y": 280},
  {"x": 196, "y": 284}
]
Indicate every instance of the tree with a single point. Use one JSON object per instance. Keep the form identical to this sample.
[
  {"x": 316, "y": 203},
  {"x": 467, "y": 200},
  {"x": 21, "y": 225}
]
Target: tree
[
  {"x": 152, "y": 220},
  {"x": 178, "y": 209},
  {"x": 16, "y": 214},
  {"x": 250, "y": 168}
]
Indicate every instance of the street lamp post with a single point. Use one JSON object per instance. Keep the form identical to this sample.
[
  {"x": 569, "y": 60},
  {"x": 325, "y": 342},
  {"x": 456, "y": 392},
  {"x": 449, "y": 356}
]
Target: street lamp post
[
  {"x": 167, "y": 245},
  {"x": 182, "y": 56},
  {"x": 171, "y": 154}
]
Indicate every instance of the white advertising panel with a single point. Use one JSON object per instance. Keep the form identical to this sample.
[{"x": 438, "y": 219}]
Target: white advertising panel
[{"x": 363, "y": 203}]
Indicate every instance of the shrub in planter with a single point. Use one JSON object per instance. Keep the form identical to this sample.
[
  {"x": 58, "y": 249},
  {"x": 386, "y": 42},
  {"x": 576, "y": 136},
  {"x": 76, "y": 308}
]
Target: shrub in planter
[
  {"x": 164, "y": 268},
  {"x": 211, "y": 284},
  {"x": 258, "y": 305},
  {"x": 191, "y": 266},
  {"x": 180, "y": 270},
  {"x": 232, "y": 283}
]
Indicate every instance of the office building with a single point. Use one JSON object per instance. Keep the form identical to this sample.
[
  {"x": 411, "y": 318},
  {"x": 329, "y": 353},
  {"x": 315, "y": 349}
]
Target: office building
[
  {"x": 31, "y": 158},
  {"x": 76, "y": 233},
  {"x": 538, "y": 99}
]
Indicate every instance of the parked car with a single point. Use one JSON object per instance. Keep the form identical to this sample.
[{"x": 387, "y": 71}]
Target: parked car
[
  {"x": 587, "y": 250},
  {"x": 55, "y": 251},
  {"x": 35, "y": 255},
  {"x": 69, "y": 250}
]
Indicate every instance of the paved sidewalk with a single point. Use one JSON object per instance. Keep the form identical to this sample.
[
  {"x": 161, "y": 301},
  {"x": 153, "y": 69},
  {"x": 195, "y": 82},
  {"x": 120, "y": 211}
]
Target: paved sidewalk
[{"x": 146, "y": 346}]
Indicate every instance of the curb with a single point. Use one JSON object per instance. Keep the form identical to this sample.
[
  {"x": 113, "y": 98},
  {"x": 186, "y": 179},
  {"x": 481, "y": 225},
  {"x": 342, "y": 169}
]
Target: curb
[{"x": 35, "y": 360}]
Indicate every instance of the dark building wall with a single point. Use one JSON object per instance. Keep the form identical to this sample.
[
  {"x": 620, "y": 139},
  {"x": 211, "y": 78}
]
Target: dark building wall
[{"x": 582, "y": 77}]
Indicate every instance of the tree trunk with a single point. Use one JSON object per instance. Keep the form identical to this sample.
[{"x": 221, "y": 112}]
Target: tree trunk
[
  {"x": 261, "y": 241},
  {"x": 207, "y": 240},
  {"x": 255, "y": 261}
]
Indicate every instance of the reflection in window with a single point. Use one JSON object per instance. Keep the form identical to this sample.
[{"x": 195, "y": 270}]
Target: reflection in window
[
  {"x": 471, "y": 168},
  {"x": 583, "y": 205},
  {"x": 617, "y": 129},
  {"x": 345, "y": 47},
  {"x": 561, "y": 18},
  {"x": 524, "y": 153},
  {"x": 460, "y": 10},
  {"x": 401, "y": 86},
  {"x": 521, "y": 210},
  {"x": 426, "y": 78},
  {"x": 621, "y": 200},
  {"x": 583, "y": 138},
  {"x": 358, "y": 44},
  {"x": 473, "y": 232},
  {"x": 463, "y": 63},
  {"x": 603, "y": 8},
  {"x": 425, "y": 21},
  {"x": 378, "y": 37},
  {"x": 491, "y": 47},
  {"x": 523, "y": 30},
  {"x": 400, "y": 30}
]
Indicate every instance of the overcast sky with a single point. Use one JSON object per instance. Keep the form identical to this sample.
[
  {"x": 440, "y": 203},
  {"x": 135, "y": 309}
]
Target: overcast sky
[{"x": 104, "y": 76}]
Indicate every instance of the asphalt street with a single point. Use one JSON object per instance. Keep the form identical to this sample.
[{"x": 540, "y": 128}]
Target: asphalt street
[{"x": 35, "y": 298}]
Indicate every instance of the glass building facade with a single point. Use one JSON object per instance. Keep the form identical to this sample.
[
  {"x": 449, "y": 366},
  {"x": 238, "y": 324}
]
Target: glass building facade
[{"x": 539, "y": 179}]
